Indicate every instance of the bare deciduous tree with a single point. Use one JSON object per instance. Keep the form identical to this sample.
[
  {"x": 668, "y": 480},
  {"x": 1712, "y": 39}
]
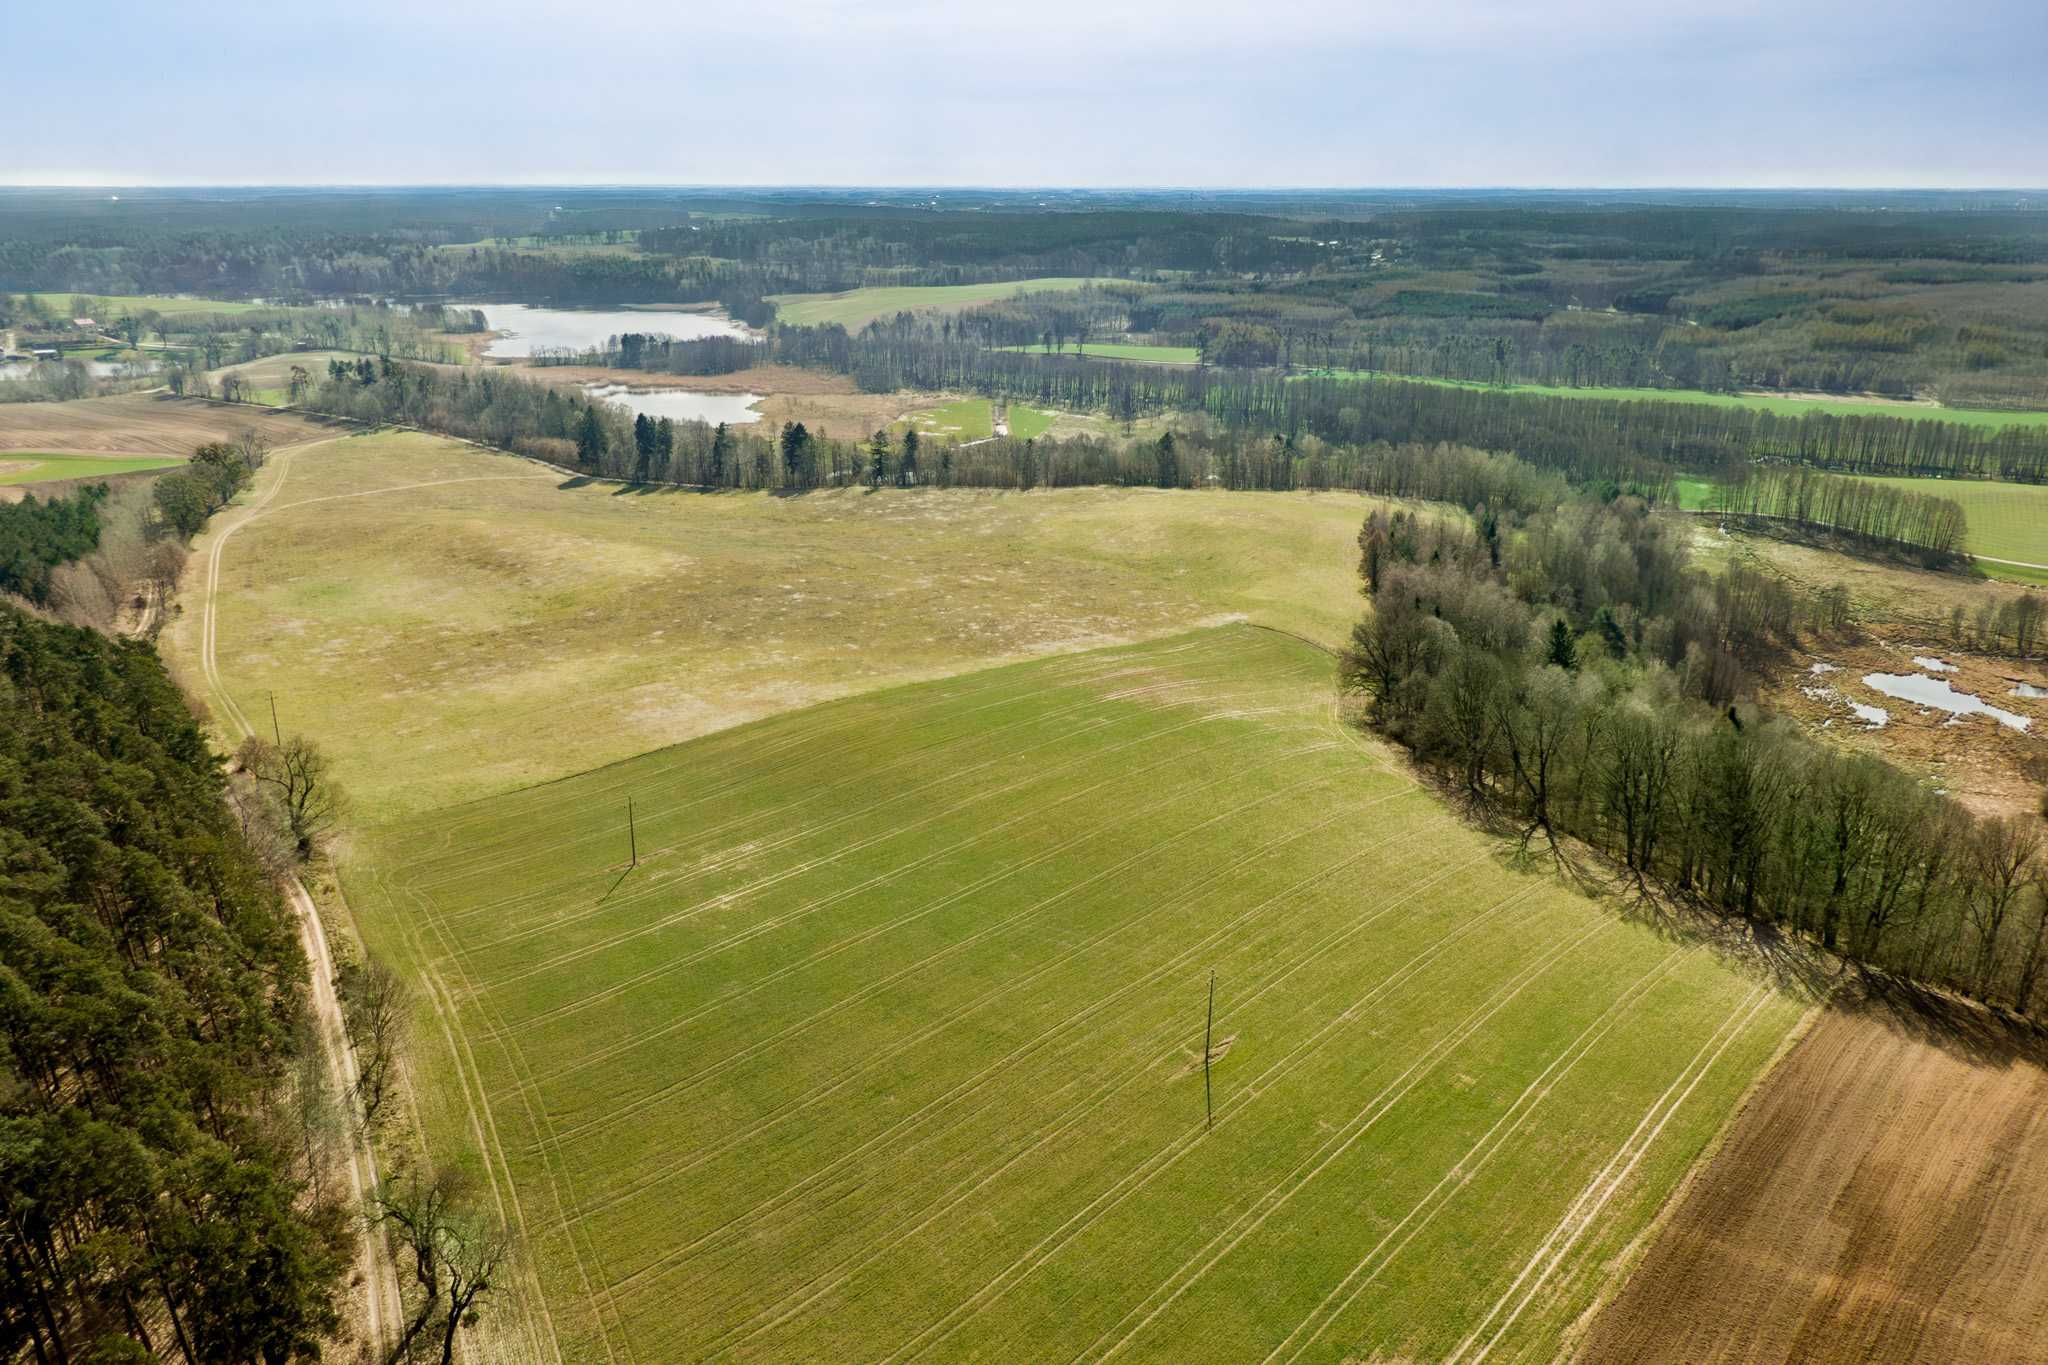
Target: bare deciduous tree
[
  {"x": 301, "y": 777},
  {"x": 376, "y": 1006},
  {"x": 458, "y": 1255}
]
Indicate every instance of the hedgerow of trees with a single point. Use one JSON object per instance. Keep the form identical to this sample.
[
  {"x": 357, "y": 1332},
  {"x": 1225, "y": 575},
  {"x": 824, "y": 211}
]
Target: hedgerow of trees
[{"x": 1570, "y": 672}]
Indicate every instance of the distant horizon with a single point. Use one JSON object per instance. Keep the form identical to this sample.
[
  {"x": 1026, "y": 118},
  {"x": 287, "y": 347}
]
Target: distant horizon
[
  {"x": 1750, "y": 94},
  {"x": 1029, "y": 187}
]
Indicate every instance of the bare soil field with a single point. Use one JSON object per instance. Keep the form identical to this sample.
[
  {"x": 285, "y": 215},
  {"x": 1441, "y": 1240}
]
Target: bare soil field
[
  {"x": 1880, "y": 1198},
  {"x": 146, "y": 424}
]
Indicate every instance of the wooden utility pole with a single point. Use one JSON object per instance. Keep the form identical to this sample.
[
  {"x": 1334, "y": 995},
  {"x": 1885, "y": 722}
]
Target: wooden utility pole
[
  {"x": 275, "y": 733},
  {"x": 1208, "y": 1032},
  {"x": 632, "y": 837}
]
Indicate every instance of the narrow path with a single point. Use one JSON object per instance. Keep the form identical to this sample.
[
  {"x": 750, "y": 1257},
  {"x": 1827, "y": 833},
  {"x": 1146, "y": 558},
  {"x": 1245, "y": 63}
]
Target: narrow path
[
  {"x": 381, "y": 1301},
  {"x": 2015, "y": 563}
]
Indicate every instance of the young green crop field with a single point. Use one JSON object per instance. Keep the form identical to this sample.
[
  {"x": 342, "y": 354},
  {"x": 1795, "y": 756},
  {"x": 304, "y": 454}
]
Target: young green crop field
[
  {"x": 856, "y": 308},
  {"x": 890, "y": 1045},
  {"x": 32, "y": 466},
  {"x": 1122, "y": 350},
  {"x": 1787, "y": 405},
  {"x": 451, "y": 622}
]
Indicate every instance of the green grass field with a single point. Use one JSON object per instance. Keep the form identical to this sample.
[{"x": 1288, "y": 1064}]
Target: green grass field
[
  {"x": 118, "y": 305},
  {"x": 452, "y": 623},
  {"x": 31, "y": 466},
  {"x": 1119, "y": 350},
  {"x": 856, "y": 308},
  {"x": 973, "y": 419},
  {"x": 890, "y": 1046},
  {"x": 1784, "y": 405},
  {"x": 2007, "y": 520}
]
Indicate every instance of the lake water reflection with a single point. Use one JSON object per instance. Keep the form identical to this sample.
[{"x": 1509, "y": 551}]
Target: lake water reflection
[
  {"x": 576, "y": 329},
  {"x": 735, "y": 409}
]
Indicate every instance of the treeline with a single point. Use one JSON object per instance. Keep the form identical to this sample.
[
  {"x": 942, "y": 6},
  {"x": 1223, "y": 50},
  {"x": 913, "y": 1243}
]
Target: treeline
[
  {"x": 161, "y": 1096},
  {"x": 565, "y": 427},
  {"x": 1574, "y": 675},
  {"x": 1621, "y": 441},
  {"x": 1933, "y": 528},
  {"x": 37, "y": 535}
]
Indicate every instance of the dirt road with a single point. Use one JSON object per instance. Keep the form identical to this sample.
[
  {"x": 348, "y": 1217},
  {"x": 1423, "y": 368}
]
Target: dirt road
[
  {"x": 1881, "y": 1198},
  {"x": 381, "y": 1302}
]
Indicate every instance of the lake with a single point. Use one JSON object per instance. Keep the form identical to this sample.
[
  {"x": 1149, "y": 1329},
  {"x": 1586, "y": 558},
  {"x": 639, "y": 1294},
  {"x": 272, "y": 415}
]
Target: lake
[
  {"x": 575, "y": 329},
  {"x": 683, "y": 406}
]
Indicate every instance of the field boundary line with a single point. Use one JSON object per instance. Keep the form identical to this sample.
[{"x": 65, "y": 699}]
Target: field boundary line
[
  {"x": 1481, "y": 1153},
  {"x": 823, "y": 954},
  {"x": 1579, "y": 1216},
  {"x": 800, "y": 835},
  {"x": 658, "y": 1096},
  {"x": 1341, "y": 1141}
]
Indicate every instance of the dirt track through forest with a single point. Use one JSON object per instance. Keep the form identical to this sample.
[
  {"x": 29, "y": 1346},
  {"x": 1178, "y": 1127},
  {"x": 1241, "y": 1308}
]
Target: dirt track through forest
[
  {"x": 1881, "y": 1198},
  {"x": 381, "y": 1298}
]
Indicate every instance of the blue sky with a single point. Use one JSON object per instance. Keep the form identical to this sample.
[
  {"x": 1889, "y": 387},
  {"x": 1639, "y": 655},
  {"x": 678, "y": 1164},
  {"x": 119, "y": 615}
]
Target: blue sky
[{"x": 1163, "y": 92}]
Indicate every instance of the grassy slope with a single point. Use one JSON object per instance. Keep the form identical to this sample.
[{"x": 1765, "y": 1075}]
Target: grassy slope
[
  {"x": 1783, "y": 404},
  {"x": 48, "y": 468},
  {"x": 892, "y": 1038},
  {"x": 856, "y": 308},
  {"x": 502, "y": 630}
]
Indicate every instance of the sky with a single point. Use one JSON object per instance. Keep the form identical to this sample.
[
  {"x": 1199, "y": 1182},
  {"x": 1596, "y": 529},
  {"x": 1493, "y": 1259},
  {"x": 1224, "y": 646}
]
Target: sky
[{"x": 1766, "y": 93}]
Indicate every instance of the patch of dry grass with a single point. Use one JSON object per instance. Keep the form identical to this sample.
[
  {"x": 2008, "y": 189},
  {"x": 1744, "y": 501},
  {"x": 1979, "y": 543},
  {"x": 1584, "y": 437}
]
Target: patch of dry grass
[{"x": 476, "y": 628}]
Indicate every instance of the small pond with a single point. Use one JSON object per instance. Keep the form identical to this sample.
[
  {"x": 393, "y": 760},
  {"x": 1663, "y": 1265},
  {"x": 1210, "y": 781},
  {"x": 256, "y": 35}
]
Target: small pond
[
  {"x": 1937, "y": 694},
  {"x": 543, "y": 329},
  {"x": 734, "y": 409}
]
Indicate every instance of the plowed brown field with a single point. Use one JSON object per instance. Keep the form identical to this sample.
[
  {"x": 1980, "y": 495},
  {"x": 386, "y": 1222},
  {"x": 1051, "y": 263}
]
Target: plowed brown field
[
  {"x": 145, "y": 424},
  {"x": 1880, "y": 1199}
]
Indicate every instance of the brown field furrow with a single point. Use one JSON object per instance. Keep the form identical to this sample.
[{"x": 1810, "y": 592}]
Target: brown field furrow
[
  {"x": 147, "y": 424},
  {"x": 1880, "y": 1199}
]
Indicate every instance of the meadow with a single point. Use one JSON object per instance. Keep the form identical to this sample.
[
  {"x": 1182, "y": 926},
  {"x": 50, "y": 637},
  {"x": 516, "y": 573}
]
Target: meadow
[
  {"x": 32, "y": 466},
  {"x": 1125, "y": 350},
  {"x": 973, "y": 419},
  {"x": 2006, "y": 520},
  {"x": 452, "y": 622},
  {"x": 117, "y": 305},
  {"x": 1785, "y": 405},
  {"x": 856, "y": 308},
  {"x": 889, "y": 1042}
]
